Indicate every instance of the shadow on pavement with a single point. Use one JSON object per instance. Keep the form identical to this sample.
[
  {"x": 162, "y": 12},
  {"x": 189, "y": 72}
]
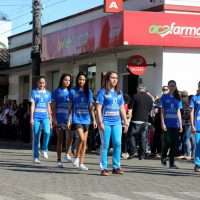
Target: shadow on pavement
[{"x": 159, "y": 171}]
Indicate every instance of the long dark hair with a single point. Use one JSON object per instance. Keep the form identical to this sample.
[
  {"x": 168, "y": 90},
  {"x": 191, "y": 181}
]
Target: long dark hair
[
  {"x": 106, "y": 84},
  {"x": 176, "y": 92},
  {"x": 86, "y": 86},
  {"x": 60, "y": 85}
]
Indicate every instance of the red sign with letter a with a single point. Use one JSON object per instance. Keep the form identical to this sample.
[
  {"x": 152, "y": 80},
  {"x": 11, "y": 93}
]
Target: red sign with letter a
[{"x": 113, "y": 6}]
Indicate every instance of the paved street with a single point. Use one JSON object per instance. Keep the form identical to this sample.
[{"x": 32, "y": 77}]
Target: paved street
[{"x": 21, "y": 179}]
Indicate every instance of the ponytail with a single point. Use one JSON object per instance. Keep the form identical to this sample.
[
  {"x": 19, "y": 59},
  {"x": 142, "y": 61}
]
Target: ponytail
[{"x": 177, "y": 95}]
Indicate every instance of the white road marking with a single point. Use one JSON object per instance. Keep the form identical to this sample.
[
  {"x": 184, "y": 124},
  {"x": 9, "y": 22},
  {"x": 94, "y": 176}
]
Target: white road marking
[
  {"x": 156, "y": 196},
  {"x": 54, "y": 197},
  {"x": 107, "y": 196}
]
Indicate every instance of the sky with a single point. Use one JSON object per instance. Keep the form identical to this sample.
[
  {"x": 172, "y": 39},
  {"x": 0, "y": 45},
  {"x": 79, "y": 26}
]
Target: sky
[{"x": 19, "y": 11}]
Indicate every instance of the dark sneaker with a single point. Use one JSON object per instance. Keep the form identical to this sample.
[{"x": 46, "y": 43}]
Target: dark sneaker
[
  {"x": 131, "y": 156},
  {"x": 105, "y": 173},
  {"x": 117, "y": 171},
  {"x": 197, "y": 169},
  {"x": 164, "y": 161},
  {"x": 141, "y": 157},
  {"x": 173, "y": 167}
]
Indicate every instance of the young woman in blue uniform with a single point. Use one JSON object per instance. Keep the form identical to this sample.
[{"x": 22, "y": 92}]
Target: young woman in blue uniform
[
  {"x": 40, "y": 117},
  {"x": 171, "y": 122},
  {"x": 110, "y": 110},
  {"x": 82, "y": 110},
  {"x": 195, "y": 121},
  {"x": 61, "y": 101}
]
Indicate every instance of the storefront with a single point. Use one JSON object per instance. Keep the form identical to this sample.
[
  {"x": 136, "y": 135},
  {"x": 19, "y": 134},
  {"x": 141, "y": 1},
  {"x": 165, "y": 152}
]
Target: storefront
[{"x": 170, "y": 40}]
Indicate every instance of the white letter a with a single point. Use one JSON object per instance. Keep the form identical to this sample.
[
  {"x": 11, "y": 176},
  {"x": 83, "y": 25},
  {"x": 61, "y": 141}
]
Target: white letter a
[{"x": 113, "y": 5}]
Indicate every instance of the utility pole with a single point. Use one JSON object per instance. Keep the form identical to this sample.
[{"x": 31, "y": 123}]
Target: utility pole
[{"x": 36, "y": 41}]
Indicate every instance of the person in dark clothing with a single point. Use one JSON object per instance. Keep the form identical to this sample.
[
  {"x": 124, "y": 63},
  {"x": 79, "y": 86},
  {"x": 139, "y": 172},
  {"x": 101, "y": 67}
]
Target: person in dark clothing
[
  {"x": 124, "y": 135},
  {"x": 156, "y": 149},
  {"x": 142, "y": 105},
  {"x": 171, "y": 121}
]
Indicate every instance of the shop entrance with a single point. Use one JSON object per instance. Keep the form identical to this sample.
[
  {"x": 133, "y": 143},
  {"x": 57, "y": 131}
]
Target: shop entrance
[{"x": 130, "y": 84}]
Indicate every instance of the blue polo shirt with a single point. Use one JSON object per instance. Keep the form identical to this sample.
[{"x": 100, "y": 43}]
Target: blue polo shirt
[
  {"x": 170, "y": 106},
  {"x": 195, "y": 104},
  {"x": 80, "y": 106},
  {"x": 111, "y": 103},
  {"x": 41, "y": 98},
  {"x": 61, "y": 98}
]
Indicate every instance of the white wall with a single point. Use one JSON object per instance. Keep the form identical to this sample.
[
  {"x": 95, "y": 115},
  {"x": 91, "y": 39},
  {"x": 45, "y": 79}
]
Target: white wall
[
  {"x": 182, "y": 65},
  {"x": 104, "y": 64},
  {"x": 183, "y": 2}
]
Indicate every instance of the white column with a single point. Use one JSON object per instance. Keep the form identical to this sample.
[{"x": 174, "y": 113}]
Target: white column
[{"x": 104, "y": 64}]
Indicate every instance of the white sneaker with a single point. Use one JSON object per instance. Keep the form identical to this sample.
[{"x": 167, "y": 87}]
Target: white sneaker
[
  {"x": 125, "y": 156},
  {"x": 36, "y": 161},
  {"x": 60, "y": 164},
  {"x": 68, "y": 158},
  {"x": 76, "y": 162},
  {"x": 83, "y": 167},
  {"x": 45, "y": 154}
]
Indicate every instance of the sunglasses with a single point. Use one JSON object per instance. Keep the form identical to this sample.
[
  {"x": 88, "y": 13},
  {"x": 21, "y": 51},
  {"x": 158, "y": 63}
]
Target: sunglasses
[
  {"x": 165, "y": 89},
  {"x": 171, "y": 86}
]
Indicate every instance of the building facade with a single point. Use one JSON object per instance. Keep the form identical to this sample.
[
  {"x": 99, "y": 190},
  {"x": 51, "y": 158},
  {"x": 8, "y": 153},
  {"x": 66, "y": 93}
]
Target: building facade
[{"x": 163, "y": 32}]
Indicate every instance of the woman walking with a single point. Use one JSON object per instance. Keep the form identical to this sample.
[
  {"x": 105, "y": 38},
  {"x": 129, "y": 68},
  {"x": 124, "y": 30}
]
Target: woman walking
[
  {"x": 171, "y": 122},
  {"x": 110, "y": 108},
  {"x": 82, "y": 110},
  {"x": 61, "y": 101},
  {"x": 195, "y": 121},
  {"x": 40, "y": 117}
]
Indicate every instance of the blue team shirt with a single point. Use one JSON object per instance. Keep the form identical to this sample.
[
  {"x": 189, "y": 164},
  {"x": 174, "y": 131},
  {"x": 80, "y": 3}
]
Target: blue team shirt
[
  {"x": 111, "y": 103},
  {"x": 41, "y": 98},
  {"x": 195, "y": 104},
  {"x": 61, "y": 97},
  {"x": 170, "y": 106},
  {"x": 80, "y": 106}
]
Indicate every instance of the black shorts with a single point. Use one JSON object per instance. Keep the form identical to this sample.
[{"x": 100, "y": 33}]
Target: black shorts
[
  {"x": 62, "y": 128},
  {"x": 85, "y": 127}
]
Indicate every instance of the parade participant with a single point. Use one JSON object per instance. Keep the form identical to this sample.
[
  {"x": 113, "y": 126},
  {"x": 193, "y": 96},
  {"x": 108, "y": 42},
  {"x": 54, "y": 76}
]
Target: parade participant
[
  {"x": 40, "y": 117},
  {"x": 171, "y": 122},
  {"x": 60, "y": 99},
  {"x": 110, "y": 109},
  {"x": 82, "y": 110},
  {"x": 195, "y": 121},
  {"x": 187, "y": 131},
  {"x": 141, "y": 107}
]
